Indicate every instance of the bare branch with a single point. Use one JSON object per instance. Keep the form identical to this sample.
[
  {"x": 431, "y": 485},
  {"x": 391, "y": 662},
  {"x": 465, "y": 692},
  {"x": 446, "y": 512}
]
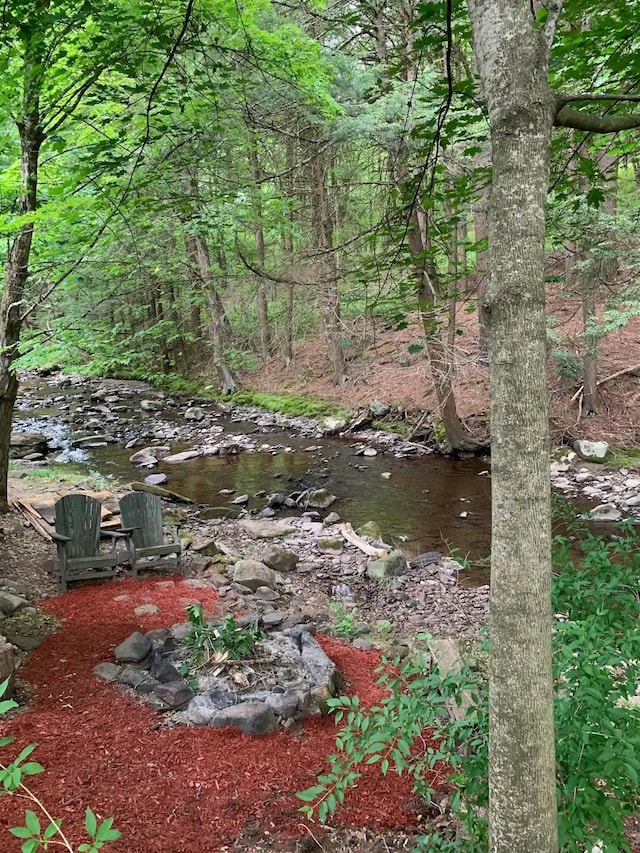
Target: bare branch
[
  {"x": 590, "y": 123},
  {"x": 554, "y": 10},
  {"x": 562, "y": 99}
]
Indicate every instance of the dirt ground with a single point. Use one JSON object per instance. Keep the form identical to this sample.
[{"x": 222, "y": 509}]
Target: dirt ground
[{"x": 380, "y": 366}]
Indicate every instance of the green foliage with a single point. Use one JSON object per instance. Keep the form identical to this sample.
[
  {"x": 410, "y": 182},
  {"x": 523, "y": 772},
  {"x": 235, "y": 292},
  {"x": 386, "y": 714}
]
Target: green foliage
[
  {"x": 34, "y": 834},
  {"x": 286, "y": 405},
  {"x": 218, "y": 642},
  {"x": 345, "y": 624},
  {"x": 567, "y": 364},
  {"x": 596, "y": 670}
]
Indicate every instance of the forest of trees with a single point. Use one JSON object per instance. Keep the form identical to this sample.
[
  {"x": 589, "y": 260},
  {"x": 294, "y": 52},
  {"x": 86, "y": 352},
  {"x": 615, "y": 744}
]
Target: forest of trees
[{"x": 190, "y": 188}]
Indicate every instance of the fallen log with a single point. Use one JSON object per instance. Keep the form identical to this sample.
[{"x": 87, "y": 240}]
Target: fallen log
[
  {"x": 347, "y": 531},
  {"x": 160, "y": 492}
]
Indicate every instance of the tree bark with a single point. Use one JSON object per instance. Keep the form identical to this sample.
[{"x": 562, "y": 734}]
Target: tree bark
[
  {"x": 513, "y": 61},
  {"x": 322, "y": 224},
  {"x": 440, "y": 361},
  {"x": 258, "y": 230},
  {"x": 17, "y": 266},
  {"x": 218, "y": 326}
]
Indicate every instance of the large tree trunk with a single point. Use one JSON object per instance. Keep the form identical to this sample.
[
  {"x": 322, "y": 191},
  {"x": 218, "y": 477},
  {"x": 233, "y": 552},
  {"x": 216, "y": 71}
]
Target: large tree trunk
[
  {"x": 513, "y": 63},
  {"x": 17, "y": 266}
]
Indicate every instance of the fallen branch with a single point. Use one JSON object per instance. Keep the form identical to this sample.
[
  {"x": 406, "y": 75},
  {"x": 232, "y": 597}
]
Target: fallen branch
[
  {"x": 606, "y": 379},
  {"x": 347, "y": 531}
]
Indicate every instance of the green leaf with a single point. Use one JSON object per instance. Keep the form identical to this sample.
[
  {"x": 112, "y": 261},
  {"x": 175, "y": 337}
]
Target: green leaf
[
  {"x": 90, "y": 823},
  {"x": 32, "y": 822}
]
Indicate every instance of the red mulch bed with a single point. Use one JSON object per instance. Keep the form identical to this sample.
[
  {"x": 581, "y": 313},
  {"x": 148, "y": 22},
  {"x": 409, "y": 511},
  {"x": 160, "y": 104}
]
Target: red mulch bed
[{"x": 179, "y": 789}]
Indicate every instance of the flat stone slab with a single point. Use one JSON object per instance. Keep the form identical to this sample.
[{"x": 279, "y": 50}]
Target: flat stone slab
[{"x": 265, "y": 529}]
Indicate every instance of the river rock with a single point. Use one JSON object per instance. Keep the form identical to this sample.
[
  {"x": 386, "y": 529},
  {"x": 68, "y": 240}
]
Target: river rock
[
  {"x": 330, "y": 546},
  {"x": 378, "y": 409},
  {"x": 252, "y": 718},
  {"x": 280, "y": 559},
  {"x": 253, "y": 574},
  {"x": 194, "y": 413},
  {"x": 591, "y": 451},
  {"x": 134, "y": 649},
  {"x": 146, "y": 456},
  {"x": 333, "y": 426},
  {"x": 156, "y": 479},
  {"x": 174, "y": 694},
  {"x": 319, "y": 499},
  {"x": 107, "y": 671},
  {"x": 371, "y": 529},
  {"x": 265, "y": 529},
  {"x": 241, "y": 500},
  {"x": 605, "y": 512},
  {"x": 392, "y": 565},
  {"x": 150, "y": 405},
  {"x": 182, "y": 457},
  {"x": 10, "y": 603},
  {"x": 24, "y": 443}
]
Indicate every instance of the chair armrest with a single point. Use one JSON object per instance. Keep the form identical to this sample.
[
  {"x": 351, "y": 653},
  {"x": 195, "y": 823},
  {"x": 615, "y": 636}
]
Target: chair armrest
[
  {"x": 114, "y": 534},
  {"x": 60, "y": 537}
]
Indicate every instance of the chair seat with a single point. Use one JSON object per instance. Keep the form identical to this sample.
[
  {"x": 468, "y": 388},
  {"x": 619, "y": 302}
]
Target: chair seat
[
  {"x": 141, "y": 518},
  {"x": 77, "y": 537}
]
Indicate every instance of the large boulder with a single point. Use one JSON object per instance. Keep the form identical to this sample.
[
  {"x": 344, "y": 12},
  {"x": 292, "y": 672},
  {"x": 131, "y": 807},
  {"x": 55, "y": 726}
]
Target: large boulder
[
  {"x": 591, "y": 451},
  {"x": 25, "y": 443},
  {"x": 253, "y": 574}
]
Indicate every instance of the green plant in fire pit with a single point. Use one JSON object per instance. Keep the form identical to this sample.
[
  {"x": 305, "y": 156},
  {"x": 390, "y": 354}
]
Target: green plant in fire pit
[{"x": 216, "y": 643}]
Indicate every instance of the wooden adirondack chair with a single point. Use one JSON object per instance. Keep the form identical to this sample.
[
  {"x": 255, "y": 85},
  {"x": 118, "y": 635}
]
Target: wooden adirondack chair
[
  {"x": 141, "y": 521},
  {"x": 77, "y": 537}
]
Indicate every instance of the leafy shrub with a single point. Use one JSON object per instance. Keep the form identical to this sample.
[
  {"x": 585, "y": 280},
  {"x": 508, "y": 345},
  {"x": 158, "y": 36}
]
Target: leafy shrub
[
  {"x": 596, "y": 670},
  {"x": 567, "y": 364},
  {"x": 226, "y": 641}
]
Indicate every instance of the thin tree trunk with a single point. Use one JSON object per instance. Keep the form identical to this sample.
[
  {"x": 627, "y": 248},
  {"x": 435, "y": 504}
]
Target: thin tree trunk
[
  {"x": 17, "y": 266},
  {"x": 329, "y": 298},
  {"x": 258, "y": 230},
  {"x": 429, "y": 290},
  {"x": 513, "y": 63},
  {"x": 590, "y": 354},
  {"x": 217, "y": 328},
  {"x": 288, "y": 249}
]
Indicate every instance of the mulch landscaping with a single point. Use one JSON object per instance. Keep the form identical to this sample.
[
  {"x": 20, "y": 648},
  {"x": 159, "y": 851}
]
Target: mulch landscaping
[{"x": 173, "y": 789}]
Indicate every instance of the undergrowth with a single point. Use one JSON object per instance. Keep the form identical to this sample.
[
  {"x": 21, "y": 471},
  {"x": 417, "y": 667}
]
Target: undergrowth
[
  {"x": 287, "y": 404},
  {"x": 596, "y": 671}
]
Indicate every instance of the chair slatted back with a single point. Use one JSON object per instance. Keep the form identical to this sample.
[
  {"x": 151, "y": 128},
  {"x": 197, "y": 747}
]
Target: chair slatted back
[
  {"x": 143, "y": 512},
  {"x": 79, "y": 517}
]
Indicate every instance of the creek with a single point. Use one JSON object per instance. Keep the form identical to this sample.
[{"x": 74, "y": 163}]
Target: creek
[{"x": 428, "y": 503}]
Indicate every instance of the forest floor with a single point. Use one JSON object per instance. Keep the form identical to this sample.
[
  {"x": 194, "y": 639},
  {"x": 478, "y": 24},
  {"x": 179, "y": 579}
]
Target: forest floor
[{"x": 380, "y": 366}]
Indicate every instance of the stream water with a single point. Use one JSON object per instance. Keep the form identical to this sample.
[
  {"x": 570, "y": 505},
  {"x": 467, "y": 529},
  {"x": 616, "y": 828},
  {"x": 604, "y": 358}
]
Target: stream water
[{"x": 427, "y": 504}]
